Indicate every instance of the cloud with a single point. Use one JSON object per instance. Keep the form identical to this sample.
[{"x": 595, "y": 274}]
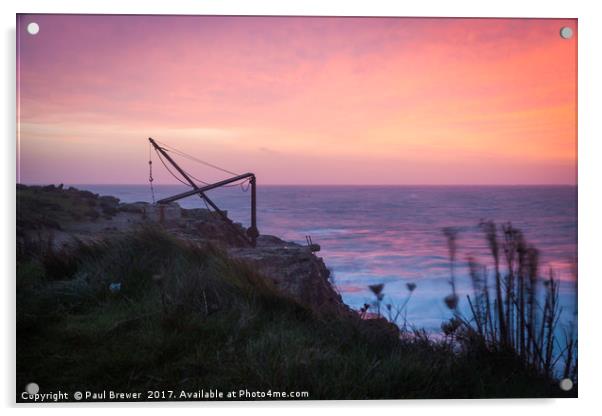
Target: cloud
[{"x": 433, "y": 91}]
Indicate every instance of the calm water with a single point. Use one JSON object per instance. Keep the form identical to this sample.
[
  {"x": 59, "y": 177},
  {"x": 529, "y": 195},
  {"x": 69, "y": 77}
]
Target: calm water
[{"x": 392, "y": 235}]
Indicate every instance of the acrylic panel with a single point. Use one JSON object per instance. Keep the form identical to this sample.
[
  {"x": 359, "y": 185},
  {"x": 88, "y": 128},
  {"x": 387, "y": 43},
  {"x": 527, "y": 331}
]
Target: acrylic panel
[{"x": 295, "y": 208}]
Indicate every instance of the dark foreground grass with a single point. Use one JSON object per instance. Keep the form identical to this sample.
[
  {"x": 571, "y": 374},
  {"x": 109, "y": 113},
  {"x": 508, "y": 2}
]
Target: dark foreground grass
[{"x": 188, "y": 318}]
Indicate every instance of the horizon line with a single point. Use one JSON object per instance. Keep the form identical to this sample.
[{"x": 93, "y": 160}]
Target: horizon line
[{"x": 303, "y": 184}]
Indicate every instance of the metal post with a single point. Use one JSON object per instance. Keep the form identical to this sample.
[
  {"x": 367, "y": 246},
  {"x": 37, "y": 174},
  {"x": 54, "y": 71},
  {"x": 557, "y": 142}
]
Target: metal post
[{"x": 253, "y": 232}]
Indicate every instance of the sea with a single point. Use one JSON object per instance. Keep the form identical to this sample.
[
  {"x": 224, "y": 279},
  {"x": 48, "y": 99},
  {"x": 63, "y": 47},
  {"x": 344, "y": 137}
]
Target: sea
[{"x": 393, "y": 235}]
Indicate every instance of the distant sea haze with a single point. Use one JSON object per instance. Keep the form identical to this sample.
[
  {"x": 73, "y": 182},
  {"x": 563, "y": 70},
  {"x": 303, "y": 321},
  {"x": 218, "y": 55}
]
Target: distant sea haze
[{"x": 393, "y": 234}]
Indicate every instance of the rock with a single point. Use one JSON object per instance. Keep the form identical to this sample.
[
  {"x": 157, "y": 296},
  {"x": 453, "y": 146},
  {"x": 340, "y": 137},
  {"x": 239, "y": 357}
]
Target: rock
[
  {"x": 163, "y": 213},
  {"x": 294, "y": 269},
  {"x": 201, "y": 214},
  {"x": 109, "y": 205},
  {"x": 135, "y": 207},
  {"x": 217, "y": 230}
]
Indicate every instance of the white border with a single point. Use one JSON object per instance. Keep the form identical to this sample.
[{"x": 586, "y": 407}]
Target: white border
[{"x": 590, "y": 207}]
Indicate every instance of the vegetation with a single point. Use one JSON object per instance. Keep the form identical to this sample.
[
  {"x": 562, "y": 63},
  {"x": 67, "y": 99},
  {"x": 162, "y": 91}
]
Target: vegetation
[
  {"x": 187, "y": 318},
  {"x": 515, "y": 318},
  {"x": 147, "y": 311},
  {"x": 50, "y": 208}
]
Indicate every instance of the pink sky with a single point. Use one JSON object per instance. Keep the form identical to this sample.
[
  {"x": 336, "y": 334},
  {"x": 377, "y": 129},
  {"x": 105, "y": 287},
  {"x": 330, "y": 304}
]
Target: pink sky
[{"x": 299, "y": 100}]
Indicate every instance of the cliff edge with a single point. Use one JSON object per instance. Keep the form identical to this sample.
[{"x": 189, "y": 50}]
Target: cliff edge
[{"x": 62, "y": 216}]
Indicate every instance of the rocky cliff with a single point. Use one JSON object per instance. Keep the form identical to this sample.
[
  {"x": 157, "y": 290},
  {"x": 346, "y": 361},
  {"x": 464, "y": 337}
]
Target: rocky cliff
[{"x": 68, "y": 215}]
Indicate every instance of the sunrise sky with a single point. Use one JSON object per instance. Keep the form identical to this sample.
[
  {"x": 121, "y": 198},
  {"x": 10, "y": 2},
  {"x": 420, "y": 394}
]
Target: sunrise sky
[{"x": 298, "y": 100}]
